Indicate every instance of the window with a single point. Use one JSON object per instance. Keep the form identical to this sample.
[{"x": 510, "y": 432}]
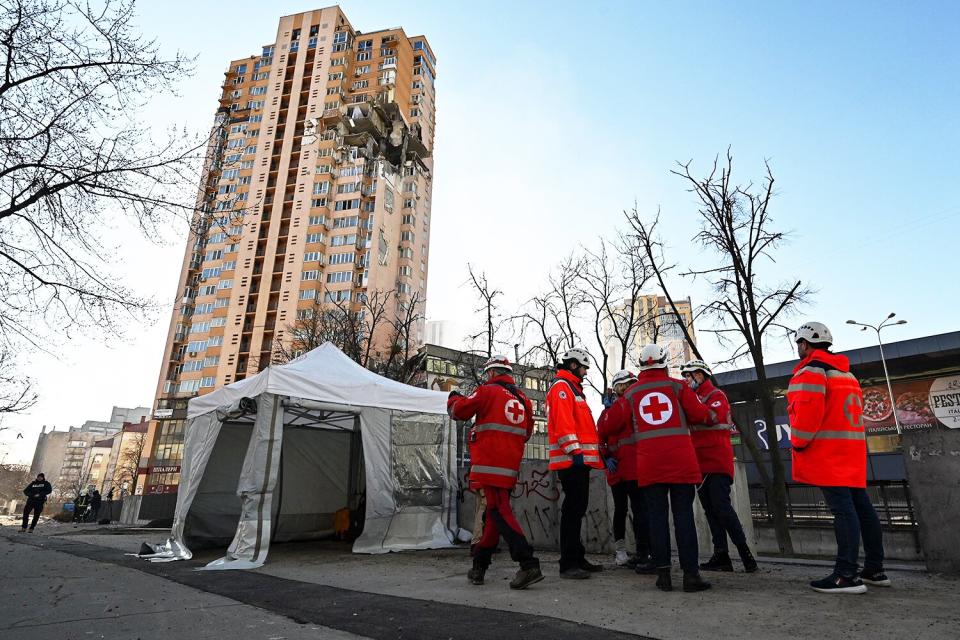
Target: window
[
  {"x": 350, "y": 187},
  {"x": 196, "y": 345},
  {"x": 335, "y": 76},
  {"x": 405, "y": 271},
  {"x": 311, "y": 256},
  {"x": 207, "y": 381},
  {"x": 191, "y": 366},
  {"x": 188, "y": 386},
  {"x": 312, "y": 220},
  {"x": 338, "y": 62},
  {"x": 257, "y": 91},
  {"x": 240, "y": 68},
  {"x": 208, "y": 290},
  {"x": 388, "y": 199},
  {"x": 343, "y": 223},
  {"x": 408, "y": 219},
  {"x": 414, "y": 113},
  {"x": 228, "y": 266},
  {"x": 365, "y": 45},
  {"x": 227, "y": 284},
  {"x": 363, "y": 69},
  {"x": 406, "y": 252},
  {"x": 343, "y": 205},
  {"x": 342, "y": 241},
  {"x": 235, "y": 144},
  {"x": 322, "y": 168},
  {"x": 256, "y": 118},
  {"x": 211, "y": 361},
  {"x": 304, "y": 314},
  {"x": 361, "y": 84},
  {"x": 318, "y": 202},
  {"x": 218, "y": 322},
  {"x": 250, "y": 149},
  {"x": 364, "y": 55},
  {"x": 308, "y": 294},
  {"x": 263, "y": 75},
  {"x": 340, "y": 37},
  {"x": 338, "y": 277},
  {"x": 203, "y": 307},
  {"x": 321, "y": 187},
  {"x": 247, "y": 164},
  {"x": 407, "y": 236},
  {"x": 214, "y": 341},
  {"x": 255, "y": 104},
  {"x": 333, "y": 90},
  {"x": 337, "y": 296},
  {"x": 310, "y": 275},
  {"x": 219, "y": 303},
  {"x": 215, "y": 254},
  {"x": 314, "y": 237},
  {"x": 341, "y": 258}
]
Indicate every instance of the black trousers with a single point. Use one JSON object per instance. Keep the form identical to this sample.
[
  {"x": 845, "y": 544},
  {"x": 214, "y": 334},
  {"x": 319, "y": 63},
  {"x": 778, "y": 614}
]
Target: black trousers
[
  {"x": 715, "y": 498},
  {"x": 36, "y": 506},
  {"x": 661, "y": 499},
  {"x": 622, "y": 492},
  {"x": 576, "y": 494}
]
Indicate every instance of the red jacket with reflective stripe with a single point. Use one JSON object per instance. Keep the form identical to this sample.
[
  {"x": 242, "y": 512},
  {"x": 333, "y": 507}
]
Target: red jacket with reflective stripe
[
  {"x": 825, "y": 405},
  {"x": 615, "y": 442},
  {"x": 570, "y": 426},
  {"x": 502, "y": 427},
  {"x": 714, "y": 449},
  {"x": 660, "y": 409}
]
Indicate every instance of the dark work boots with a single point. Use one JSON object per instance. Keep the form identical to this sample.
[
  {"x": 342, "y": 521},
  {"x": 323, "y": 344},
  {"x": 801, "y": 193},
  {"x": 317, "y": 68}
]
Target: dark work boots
[
  {"x": 692, "y": 582},
  {"x": 719, "y": 561},
  {"x": 663, "y": 580}
]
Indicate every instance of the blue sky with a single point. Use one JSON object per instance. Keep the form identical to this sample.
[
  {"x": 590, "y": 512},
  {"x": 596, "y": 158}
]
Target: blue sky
[{"x": 553, "y": 117}]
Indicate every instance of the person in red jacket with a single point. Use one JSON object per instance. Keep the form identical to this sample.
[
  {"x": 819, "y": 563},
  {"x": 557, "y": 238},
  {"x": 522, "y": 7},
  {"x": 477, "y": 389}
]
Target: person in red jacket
[
  {"x": 574, "y": 450},
  {"x": 620, "y": 461},
  {"x": 659, "y": 409},
  {"x": 825, "y": 406},
  {"x": 715, "y": 457},
  {"x": 503, "y": 424}
]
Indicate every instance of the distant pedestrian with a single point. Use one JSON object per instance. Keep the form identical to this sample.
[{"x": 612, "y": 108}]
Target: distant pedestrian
[
  {"x": 825, "y": 404},
  {"x": 95, "y": 501},
  {"x": 36, "y": 492},
  {"x": 81, "y": 505}
]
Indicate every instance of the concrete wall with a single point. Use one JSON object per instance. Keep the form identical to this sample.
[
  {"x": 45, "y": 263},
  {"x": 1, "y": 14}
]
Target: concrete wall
[
  {"x": 933, "y": 468},
  {"x": 820, "y": 542},
  {"x": 537, "y": 498}
]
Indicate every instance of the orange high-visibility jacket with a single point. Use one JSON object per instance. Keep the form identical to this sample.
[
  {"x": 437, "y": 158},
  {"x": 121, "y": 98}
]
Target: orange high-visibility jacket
[
  {"x": 825, "y": 406},
  {"x": 570, "y": 426},
  {"x": 504, "y": 423}
]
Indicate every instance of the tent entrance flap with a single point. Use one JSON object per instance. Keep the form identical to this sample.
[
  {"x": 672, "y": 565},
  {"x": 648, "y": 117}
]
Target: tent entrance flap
[{"x": 319, "y": 473}]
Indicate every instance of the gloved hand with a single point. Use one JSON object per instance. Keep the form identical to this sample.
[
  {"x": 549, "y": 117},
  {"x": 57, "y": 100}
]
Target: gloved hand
[
  {"x": 454, "y": 394},
  {"x": 578, "y": 460},
  {"x": 611, "y": 465},
  {"x": 608, "y": 399}
]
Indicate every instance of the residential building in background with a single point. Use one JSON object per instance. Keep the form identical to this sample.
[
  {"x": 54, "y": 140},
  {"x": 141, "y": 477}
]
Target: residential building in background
[
  {"x": 658, "y": 324},
  {"x": 437, "y": 332},
  {"x": 316, "y": 191},
  {"x": 72, "y": 458},
  {"x": 445, "y": 369}
]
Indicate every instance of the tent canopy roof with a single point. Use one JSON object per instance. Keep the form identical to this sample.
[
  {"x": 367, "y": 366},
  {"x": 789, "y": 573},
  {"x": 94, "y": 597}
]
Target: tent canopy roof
[{"x": 324, "y": 374}]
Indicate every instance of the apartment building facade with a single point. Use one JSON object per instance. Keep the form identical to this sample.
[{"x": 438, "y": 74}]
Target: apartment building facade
[
  {"x": 657, "y": 323},
  {"x": 317, "y": 191}
]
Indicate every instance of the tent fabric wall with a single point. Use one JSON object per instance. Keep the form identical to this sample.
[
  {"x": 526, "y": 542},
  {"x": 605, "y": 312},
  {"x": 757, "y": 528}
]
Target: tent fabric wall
[
  {"x": 408, "y": 459},
  {"x": 216, "y": 505}
]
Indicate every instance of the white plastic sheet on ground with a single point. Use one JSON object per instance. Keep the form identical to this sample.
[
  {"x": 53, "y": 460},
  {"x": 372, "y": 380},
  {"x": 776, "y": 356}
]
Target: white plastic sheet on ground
[{"x": 330, "y": 409}]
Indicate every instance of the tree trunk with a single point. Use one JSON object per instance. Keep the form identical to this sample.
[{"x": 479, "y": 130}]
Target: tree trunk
[{"x": 777, "y": 491}]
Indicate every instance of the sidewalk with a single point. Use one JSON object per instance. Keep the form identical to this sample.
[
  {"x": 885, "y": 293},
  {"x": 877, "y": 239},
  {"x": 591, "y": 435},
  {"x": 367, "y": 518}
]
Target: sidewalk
[
  {"x": 49, "y": 594},
  {"x": 427, "y": 591}
]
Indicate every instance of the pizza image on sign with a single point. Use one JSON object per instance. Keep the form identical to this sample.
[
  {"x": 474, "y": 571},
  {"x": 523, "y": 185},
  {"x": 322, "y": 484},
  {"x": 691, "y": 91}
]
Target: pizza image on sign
[{"x": 876, "y": 404}]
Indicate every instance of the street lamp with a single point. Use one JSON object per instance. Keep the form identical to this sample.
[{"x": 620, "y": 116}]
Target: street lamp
[{"x": 886, "y": 323}]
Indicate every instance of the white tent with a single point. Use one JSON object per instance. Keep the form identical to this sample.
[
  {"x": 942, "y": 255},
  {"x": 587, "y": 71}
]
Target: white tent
[{"x": 273, "y": 457}]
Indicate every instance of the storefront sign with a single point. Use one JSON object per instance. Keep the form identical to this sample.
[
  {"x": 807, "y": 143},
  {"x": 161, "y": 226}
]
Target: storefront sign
[
  {"x": 912, "y": 403},
  {"x": 173, "y": 468},
  {"x": 944, "y": 401}
]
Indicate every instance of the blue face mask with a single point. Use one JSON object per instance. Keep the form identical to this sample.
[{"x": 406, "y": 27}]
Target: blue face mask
[{"x": 692, "y": 381}]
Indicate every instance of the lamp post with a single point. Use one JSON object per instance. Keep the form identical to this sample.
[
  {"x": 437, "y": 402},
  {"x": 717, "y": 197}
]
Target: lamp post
[{"x": 883, "y": 325}]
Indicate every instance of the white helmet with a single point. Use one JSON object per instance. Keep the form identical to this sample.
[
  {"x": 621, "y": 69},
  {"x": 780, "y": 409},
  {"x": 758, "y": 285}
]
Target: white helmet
[
  {"x": 814, "y": 333},
  {"x": 621, "y": 377},
  {"x": 498, "y": 362},
  {"x": 696, "y": 365},
  {"x": 652, "y": 356},
  {"x": 579, "y": 355}
]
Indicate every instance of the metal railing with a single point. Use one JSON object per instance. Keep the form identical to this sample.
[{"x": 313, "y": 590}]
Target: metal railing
[{"x": 806, "y": 506}]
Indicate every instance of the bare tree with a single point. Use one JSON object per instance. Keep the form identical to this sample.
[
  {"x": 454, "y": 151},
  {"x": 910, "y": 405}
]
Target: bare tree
[
  {"x": 403, "y": 360},
  {"x": 492, "y": 323},
  {"x": 75, "y": 160},
  {"x": 16, "y": 392},
  {"x": 13, "y": 479},
  {"x": 547, "y": 321},
  {"x": 128, "y": 462}
]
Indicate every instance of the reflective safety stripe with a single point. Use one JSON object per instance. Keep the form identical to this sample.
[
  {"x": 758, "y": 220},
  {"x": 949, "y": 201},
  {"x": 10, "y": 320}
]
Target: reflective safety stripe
[
  {"x": 495, "y": 471},
  {"x": 806, "y": 386},
  {"x": 716, "y": 427},
  {"x": 810, "y": 369},
  {"x": 662, "y": 433},
  {"x": 590, "y": 447},
  {"x": 566, "y": 438},
  {"x": 516, "y": 431},
  {"x": 829, "y": 435},
  {"x": 590, "y": 458},
  {"x": 841, "y": 374},
  {"x": 613, "y": 448}
]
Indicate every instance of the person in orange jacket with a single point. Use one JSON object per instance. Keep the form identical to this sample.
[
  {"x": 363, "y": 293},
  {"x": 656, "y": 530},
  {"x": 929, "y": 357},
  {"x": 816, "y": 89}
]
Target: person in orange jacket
[
  {"x": 825, "y": 406},
  {"x": 659, "y": 410},
  {"x": 574, "y": 450},
  {"x": 621, "y": 463},
  {"x": 715, "y": 457},
  {"x": 503, "y": 424}
]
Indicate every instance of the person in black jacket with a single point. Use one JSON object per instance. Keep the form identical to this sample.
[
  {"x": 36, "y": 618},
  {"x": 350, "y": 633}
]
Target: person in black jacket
[{"x": 36, "y": 492}]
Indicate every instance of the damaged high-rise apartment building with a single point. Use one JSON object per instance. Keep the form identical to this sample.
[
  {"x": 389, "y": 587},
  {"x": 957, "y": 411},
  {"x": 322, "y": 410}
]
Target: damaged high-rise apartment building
[{"x": 316, "y": 190}]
